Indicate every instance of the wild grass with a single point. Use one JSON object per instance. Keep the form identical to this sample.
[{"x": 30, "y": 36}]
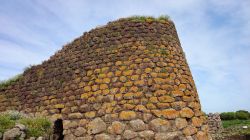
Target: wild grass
[
  {"x": 36, "y": 126},
  {"x": 161, "y": 18},
  {"x": 6, "y": 83}
]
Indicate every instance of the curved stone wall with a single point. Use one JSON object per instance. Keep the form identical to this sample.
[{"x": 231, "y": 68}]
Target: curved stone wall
[{"x": 126, "y": 80}]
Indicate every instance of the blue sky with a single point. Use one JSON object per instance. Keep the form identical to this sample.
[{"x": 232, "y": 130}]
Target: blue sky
[{"x": 215, "y": 36}]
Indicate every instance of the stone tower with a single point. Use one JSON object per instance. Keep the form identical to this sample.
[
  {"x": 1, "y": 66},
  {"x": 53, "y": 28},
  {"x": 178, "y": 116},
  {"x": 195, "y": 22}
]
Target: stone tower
[{"x": 126, "y": 80}]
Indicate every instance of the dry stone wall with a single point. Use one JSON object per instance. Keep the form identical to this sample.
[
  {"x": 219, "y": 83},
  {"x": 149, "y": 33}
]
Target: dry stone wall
[
  {"x": 214, "y": 123},
  {"x": 126, "y": 80}
]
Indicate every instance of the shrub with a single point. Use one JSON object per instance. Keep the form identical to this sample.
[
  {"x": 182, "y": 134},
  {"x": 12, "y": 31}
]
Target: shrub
[
  {"x": 6, "y": 122},
  {"x": 242, "y": 115},
  {"x": 6, "y": 83},
  {"x": 37, "y": 126},
  {"x": 227, "y": 116}
]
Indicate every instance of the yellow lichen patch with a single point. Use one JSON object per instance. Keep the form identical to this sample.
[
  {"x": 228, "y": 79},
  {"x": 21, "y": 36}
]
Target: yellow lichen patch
[
  {"x": 103, "y": 86},
  {"x": 118, "y": 63},
  {"x": 134, "y": 89},
  {"x": 106, "y": 80},
  {"x": 128, "y": 72},
  {"x": 182, "y": 87},
  {"x": 102, "y": 75},
  {"x": 141, "y": 108},
  {"x": 128, "y": 84},
  {"x": 138, "y": 94},
  {"x": 160, "y": 92},
  {"x": 95, "y": 87},
  {"x": 91, "y": 100},
  {"x": 151, "y": 106},
  {"x": 187, "y": 112},
  {"x": 153, "y": 99},
  {"x": 163, "y": 105},
  {"x": 122, "y": 68},
  {"x": 89, "y": 72},
  {"x": 138, "y": 60},
  {"x": 128, "y": 106},
  {"x": 177, "y": 93},
  {"x": 110, "y": 74},
  {"x": 134, "y": 77},
  {"x": 118, "y": 73},
  {"x": 127, "y": 115},
  {"x": 170, "y": 113},
  {"x": 153, "y": 74},
  {"x": 128, "y": 95},
  {"x": 123, "y": 89},
  {"x": 105, "y": 69},
  {"x": 105, "y": 91},
  {"x": 166, "y": 99},
  {"x": 148, "y": 70},
  {"x": 90, "y": 114},
  {"x": 118, "y": 97},
  {"x": 139, "y": 83},
  {"x": 123, "y": 78},
  {"x": 59, "y": 106},
  {"x": 114, "y": 90},
  {"x": 157, "y": 113},
  {"x": 87, "y": 88},
  {"x": 159, "y": 80},
  {"x": 97, "y": 71}
]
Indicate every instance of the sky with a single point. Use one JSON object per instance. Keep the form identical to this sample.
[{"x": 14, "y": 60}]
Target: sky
[{"x": 215, "y": 36}]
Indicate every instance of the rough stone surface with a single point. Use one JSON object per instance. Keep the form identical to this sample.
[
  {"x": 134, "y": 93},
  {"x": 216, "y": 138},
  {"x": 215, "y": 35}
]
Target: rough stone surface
[
  {"x": 102, "y": 137},
  {"x": 181, "y": 123},
  {"x": 11, "y": 134},
  {"x": 96, "y": 126},
  {"x": 116, "y": 127},
  {"x": 147, "y": 134},
  {"x": 128, "y": 134},
  {"x": 168, "y": 136},
  {"x": 137, "y": 125},
  {"x": 159, "y": 125}
]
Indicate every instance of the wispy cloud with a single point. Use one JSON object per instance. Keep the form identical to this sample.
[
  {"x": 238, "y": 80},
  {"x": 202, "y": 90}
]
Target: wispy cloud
[{"x": 214, "y": 35}]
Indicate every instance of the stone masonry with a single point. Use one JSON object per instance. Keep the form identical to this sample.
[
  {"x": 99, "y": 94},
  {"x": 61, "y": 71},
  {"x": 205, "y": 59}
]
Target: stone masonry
[{"x": 125, "y": 80}]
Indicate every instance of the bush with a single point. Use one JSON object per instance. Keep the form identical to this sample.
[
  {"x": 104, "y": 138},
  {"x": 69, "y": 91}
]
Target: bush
[
  {"x": 36, "y": 126},
  {"x": 242, "y": 115},
  {"x": 6, "y": 122},
  {"x": 227, "y": 116},
  {"x": 6, "y": 83}
]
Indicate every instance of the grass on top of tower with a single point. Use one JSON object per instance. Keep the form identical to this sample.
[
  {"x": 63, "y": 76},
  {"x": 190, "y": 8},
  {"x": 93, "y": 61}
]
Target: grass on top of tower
[{"x": 162, "y": 18}]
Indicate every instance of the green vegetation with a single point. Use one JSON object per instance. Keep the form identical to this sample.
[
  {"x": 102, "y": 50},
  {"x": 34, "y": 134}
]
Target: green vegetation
[
  {"x": 162, "y": 18},
  {"x": 241, "y": 115},
  {"x": 35, "y": 126},
  {"x": 6, "y": 83},
  {"x": 229, "y": 123}
]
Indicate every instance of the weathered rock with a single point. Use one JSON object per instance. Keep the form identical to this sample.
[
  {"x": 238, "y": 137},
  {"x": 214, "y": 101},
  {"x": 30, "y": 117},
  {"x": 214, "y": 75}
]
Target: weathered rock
[
  {"x": 128, "y": 134},
  {"x": 180, "y": 123},
  {"x": 189, "y": 130},
  {"x": 96, "y": 126},
  {"x": 187, "y": 112},
  {"x": 137, "y": 125},
  {"x": 116, "y": 127},
  {"x": 159, "y": 125},
  {"x": 102, "y": 137},
  {"x": 127, "y": 115},
  {"x": 80, "y": 131},
  {"x": 168, "y": 136},
  {"x": 21, "y": 127},
  {"x": 12, "y": 134},
  {"x": 147, "y": 134}
]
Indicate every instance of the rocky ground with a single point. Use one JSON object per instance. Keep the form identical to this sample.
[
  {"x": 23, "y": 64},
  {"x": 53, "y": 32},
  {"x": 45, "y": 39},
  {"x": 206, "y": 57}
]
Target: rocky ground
[{"x": 233, "y": 133}]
